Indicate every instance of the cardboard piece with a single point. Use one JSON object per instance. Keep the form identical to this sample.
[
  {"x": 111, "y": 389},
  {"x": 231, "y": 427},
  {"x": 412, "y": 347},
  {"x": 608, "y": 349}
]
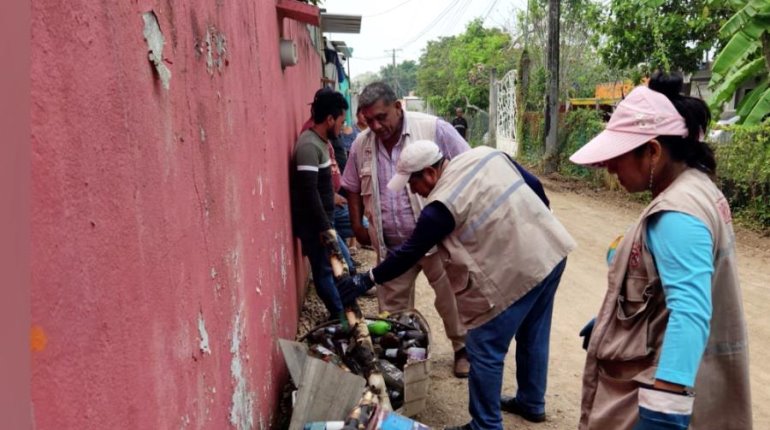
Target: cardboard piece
[
  {"x": 325, "y": 393},
  {"x": 295, "y": 355}
]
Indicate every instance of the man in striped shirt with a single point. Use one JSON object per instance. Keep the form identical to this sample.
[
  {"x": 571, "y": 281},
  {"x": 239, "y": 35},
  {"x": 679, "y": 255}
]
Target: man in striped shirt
[{"x": 312, "y": 195}]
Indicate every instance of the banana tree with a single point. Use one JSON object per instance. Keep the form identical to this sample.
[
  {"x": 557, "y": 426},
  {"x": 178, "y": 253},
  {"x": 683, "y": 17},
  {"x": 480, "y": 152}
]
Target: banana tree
[{"x": 745, "y": 56}]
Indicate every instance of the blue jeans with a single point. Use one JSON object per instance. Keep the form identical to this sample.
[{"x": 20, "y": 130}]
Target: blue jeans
[
  {"x": 529, "y": 319},
  {"x": 342, "y": 222},
  {"x": 322, "y": 271}
]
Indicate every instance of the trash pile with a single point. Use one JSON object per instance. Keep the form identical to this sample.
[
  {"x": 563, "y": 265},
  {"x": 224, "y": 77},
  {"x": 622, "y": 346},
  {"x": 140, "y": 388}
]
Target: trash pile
[
  {"x": 361, "y": 373},
  {"x": 395, "y": 341}
]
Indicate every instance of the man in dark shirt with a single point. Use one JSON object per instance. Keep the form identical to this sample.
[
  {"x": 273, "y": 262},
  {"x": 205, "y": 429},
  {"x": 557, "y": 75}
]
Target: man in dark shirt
[
  {"x": 312, "y": 195},
  {"x": 459, "y": 123}
]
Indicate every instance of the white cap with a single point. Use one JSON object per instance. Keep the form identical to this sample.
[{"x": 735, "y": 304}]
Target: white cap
[{"x": 415, "y": 157}]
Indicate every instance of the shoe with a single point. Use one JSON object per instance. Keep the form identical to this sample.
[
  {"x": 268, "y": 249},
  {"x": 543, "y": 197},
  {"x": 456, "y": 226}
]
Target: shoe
[
  {"x": 509, "y": 404},
  {"x": 371, "y": 292},
  {"x": 462, "y": 366},
  {"x": 463, "y": 427}
]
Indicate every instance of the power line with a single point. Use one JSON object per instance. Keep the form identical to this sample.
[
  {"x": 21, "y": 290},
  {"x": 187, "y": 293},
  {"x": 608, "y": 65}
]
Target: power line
[
  {"x": 433, "y": 23},
  {"x": 452, "y": 20},
  {"x": 382, "y": 57},
  {"x": 489, "y": 10},
  {"x": 386, "y": 11}
]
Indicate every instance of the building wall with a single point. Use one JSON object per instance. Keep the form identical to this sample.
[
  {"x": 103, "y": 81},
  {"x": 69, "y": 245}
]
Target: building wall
[{"x": 163, "y": 264}]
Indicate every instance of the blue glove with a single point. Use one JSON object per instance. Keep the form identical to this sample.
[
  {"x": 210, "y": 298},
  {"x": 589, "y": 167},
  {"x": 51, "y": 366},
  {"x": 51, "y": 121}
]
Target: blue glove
[
  {"x": 350, "y": 287},
  {"x": 586, "y": 333}
]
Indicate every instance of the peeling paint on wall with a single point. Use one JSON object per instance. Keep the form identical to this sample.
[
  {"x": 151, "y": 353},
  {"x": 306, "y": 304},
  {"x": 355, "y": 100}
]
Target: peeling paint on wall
[
  {"x": 284, "y": 263},
  {"x": 241, "y": 411},
  {"x": 204, "y": 335},
  {"x": 155, "y": 41},
  {"x": 185, "y": 421},
  {"x": 234, "y": 263},
  {"x": 216, "y": 50}
]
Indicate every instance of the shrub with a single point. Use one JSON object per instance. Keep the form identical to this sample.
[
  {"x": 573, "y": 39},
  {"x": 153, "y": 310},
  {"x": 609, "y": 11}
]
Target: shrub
[
  {"x": 743, "y": 173},
  {"x": 532, "y": 137},
  {"x": 580, "y": 126}
]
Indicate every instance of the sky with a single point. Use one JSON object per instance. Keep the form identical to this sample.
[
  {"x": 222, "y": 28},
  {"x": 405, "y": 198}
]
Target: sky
[{"x": 408, "y": 25}]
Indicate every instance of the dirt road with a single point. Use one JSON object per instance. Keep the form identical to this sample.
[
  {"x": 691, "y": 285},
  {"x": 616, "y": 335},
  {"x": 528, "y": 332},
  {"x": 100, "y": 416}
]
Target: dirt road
[{"x": 594, "y": 224}]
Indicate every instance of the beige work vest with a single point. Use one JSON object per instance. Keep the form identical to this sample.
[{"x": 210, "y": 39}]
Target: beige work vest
[
  {"x": 627, "y": 338},
  {"x": 505, "y": 241},
  {"x": 417, "y": 126}
]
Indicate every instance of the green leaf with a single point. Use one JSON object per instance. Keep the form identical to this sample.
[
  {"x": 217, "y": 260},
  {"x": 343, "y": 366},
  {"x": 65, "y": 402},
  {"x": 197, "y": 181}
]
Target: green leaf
[
  {"x": 654, "y": 3},
  {"x": 727, "y": 88},
  {"x": 737, "y": 21},
  {"x": 748, "y": 102},
  {"x": 735, "y": 4},
  {"x": 732, "y": 55},
  {"x": 761, "y": 108}
]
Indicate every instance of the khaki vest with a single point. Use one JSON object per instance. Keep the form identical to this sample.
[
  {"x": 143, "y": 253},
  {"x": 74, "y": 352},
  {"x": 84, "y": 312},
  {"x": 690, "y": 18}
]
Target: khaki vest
[
  {"x": 505, "y": 241},
  {"x": 417, "y": 126},
  {"x": 627, "y": 338}
]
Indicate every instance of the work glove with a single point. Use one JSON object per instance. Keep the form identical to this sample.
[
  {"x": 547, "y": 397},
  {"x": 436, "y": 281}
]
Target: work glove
[
  {"x": 586, "y": 333},
  {"x": 332, "y": 245},
  {"x": 350, "y": 287}
]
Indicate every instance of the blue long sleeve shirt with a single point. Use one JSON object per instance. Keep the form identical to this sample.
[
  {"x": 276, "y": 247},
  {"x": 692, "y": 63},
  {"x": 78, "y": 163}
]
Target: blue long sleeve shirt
[{"x": 682, "y": 248}]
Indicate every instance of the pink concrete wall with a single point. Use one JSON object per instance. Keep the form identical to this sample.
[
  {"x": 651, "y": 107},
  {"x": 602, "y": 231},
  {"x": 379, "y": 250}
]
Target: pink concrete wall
[{"x": 163, "y": 265}]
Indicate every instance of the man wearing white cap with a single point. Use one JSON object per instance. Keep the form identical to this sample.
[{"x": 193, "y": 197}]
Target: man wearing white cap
[{"x": 504, "y": 253}]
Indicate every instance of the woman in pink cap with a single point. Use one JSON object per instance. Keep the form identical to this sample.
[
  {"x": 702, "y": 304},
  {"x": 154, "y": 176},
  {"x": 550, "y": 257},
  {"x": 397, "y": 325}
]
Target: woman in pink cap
[{"x": 668, "y": 349}]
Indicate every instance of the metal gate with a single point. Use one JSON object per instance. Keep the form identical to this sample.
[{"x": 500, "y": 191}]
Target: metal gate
[{"x": 505, "y": 129}]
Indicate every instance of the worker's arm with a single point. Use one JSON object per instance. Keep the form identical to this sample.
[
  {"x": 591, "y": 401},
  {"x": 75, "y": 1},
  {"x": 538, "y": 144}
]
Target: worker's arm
[
  {"x": 434, "y": 224},
  {"x": 682, "y": 247}
]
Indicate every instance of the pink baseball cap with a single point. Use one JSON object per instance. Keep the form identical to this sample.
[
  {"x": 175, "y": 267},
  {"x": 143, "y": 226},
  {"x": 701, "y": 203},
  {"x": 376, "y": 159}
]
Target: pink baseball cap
[{"x": 643, "y": 115}]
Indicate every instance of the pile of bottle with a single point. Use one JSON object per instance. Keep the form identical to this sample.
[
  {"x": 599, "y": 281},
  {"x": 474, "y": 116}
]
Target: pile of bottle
[{"x": 396, "y": 342}]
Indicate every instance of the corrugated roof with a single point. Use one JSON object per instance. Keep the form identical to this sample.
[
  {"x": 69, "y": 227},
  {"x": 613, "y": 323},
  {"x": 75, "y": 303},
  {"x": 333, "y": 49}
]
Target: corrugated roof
[{"x": 334, "y": 23}]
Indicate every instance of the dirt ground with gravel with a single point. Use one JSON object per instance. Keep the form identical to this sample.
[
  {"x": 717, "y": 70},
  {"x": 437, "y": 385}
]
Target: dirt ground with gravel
[{"x": 594, "y": 219}]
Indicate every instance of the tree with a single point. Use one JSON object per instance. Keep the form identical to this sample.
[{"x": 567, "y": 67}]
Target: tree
[
  {"x": 666, "y": 34},
  {"x": 454, "y": 71},
  {"x": 360, "y": 81},
  {"x": 552, "y": 105},
  {"x": 745, "y": 56},
  {"x": 581, "y": 66},
  {"x": 404, "y": 74}
]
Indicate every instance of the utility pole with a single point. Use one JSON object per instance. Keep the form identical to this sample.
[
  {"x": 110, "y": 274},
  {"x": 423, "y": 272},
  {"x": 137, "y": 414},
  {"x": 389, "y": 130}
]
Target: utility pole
[
  {"x": 492, "y": 132},
  {"x": 394, "y": 77},
  {"x": 552, "y": 100}
]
